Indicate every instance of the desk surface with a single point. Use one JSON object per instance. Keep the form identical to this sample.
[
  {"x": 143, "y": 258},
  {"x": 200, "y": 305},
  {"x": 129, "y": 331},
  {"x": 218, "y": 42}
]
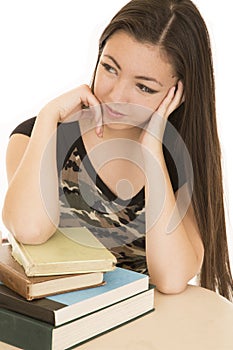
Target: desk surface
[{"x": 197, "y": 319}]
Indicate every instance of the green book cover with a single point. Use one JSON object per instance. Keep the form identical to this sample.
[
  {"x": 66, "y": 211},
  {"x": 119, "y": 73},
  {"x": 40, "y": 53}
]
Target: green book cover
[{"x": 24, "y": 332}]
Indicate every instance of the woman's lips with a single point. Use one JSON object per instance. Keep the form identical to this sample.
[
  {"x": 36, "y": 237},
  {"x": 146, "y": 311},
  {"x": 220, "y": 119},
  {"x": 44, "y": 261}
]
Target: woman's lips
[{"x": 113, "y": 113}]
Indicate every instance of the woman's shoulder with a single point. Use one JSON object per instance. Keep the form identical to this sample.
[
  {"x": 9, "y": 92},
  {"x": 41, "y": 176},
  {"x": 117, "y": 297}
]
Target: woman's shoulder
[{"x": 25, "y": 127}]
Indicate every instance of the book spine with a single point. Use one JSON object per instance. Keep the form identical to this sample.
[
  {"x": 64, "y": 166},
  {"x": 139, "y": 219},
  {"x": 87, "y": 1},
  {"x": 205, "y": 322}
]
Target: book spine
[
  {"x": 14, "y": 281},
  {"x": 20, "y": 256},
  {"x": 24, "y": 332}
]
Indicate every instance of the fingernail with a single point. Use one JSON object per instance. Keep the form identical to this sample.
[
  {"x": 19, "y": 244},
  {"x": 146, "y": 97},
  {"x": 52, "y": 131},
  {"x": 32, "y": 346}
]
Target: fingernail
[{"x": 99, "y": 132}]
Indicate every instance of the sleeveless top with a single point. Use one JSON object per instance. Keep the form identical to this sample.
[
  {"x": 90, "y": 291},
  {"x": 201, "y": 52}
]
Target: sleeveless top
[{"x": 85, "y": 200}]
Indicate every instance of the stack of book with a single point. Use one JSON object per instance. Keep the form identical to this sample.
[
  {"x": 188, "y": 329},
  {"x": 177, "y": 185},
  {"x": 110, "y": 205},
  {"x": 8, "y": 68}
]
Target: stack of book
[{"x": 48, "y": 303}]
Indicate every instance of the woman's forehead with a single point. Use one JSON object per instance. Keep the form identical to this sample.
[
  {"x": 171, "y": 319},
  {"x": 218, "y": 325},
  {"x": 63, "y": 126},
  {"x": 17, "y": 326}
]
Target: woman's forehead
[{"x": 137, "y": 57}]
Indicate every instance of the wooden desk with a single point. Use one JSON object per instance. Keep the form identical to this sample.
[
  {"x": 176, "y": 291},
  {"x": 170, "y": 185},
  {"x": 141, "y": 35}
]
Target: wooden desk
[{"x": 194, "y": 320}]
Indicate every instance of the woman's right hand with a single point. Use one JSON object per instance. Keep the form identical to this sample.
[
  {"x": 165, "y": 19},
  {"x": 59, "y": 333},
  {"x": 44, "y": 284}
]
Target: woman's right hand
[{"x": 69, "y": 105}]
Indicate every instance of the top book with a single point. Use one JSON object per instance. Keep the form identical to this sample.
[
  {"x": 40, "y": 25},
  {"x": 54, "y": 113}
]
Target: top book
[{"x": 70, "y": 250}]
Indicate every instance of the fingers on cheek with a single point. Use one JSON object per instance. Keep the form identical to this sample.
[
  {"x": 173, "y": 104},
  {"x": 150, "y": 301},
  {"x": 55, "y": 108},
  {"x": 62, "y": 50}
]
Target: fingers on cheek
[{"x": 170, "y": 96}]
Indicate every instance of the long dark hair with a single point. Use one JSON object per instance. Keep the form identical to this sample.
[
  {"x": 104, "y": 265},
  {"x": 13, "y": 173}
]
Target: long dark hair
[{"x": 179, "y": 29}]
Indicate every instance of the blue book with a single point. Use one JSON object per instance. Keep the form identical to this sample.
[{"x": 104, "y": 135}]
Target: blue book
[
  {"x": 119, "y": 284},
  {"x": 30, "y": 334}
]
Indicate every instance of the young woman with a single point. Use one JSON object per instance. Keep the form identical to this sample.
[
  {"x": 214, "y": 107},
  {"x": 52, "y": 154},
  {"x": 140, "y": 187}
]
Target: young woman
[{"x": 135, "y": 157}]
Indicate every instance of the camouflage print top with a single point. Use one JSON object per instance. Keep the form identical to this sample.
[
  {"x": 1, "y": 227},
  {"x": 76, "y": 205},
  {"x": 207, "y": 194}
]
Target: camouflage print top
[{"x": 85, "y": 200}]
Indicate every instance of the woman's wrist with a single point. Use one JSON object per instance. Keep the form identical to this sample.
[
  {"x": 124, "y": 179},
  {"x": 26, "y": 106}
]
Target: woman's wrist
[{"x": 49, "y": 114}]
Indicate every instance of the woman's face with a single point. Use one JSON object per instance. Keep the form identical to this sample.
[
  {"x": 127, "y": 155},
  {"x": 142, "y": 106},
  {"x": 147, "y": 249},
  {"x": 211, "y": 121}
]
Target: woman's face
[{"x": 132, "y": 79}]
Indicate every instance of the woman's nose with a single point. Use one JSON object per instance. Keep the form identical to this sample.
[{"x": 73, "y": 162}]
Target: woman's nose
[{"x": 119, "y": 92}]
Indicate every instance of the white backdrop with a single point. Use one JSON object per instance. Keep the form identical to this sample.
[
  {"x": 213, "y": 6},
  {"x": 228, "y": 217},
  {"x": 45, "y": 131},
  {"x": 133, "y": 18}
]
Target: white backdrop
[{"x": 50, "y": 46}]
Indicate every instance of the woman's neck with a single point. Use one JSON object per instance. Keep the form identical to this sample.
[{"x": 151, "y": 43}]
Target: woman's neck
[{"x": 118, "y": 131}]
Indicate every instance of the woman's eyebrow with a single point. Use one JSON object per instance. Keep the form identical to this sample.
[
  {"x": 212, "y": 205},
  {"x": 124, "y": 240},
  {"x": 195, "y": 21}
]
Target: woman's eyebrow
[
  {"x": 149, "y": 79},
  {"x": 140, "y": 77},
  {"x": 114, "y": 61}
]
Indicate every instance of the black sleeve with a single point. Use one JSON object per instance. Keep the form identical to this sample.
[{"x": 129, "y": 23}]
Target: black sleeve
[
  {"x": 66, "y": 136},
  {"x": 25, "y": 127}
]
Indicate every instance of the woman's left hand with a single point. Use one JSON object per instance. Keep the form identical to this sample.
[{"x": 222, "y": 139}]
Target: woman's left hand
[{"x": 152, "y": 136}]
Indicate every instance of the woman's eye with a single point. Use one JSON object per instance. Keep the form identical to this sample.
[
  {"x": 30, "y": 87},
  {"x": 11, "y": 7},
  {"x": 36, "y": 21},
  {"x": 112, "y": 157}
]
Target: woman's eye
[
  {"x": 145, "y": 89},
  {"x": 108, "y": 68}
]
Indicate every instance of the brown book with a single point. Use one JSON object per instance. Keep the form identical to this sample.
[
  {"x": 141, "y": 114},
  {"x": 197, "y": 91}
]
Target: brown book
[{"x": 13, "y": 276}]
